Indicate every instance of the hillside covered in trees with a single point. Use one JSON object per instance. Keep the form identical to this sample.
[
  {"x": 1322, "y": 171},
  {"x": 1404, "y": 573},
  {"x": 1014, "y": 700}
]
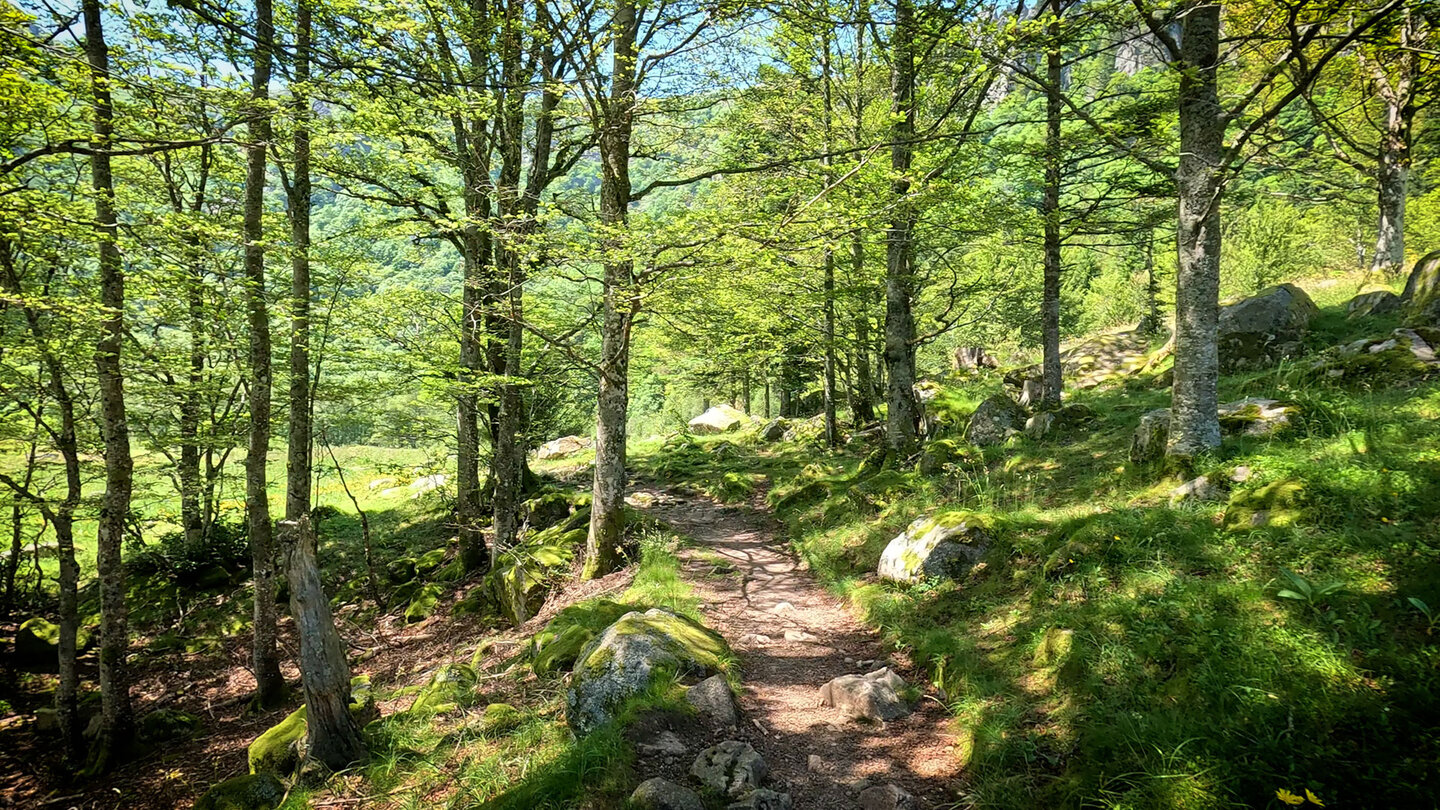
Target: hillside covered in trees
[{"x": 676, "y": 405}]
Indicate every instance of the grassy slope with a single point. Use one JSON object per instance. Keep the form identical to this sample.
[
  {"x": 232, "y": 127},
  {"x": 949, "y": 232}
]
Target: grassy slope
[{"x": 1116, "y": 652}]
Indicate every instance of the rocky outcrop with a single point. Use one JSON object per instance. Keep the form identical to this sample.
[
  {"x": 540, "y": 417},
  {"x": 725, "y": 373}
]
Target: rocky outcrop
[
  {"x": 662, "y": 794},
  {"x": 945, "y": 546},
  {"x": 774, "y": 430},
  {"x": 619, "y": 663},
  {"x": 1269, "y": 326},
  {"x": 1252, "y": 416},
  {"x": 719, "y": 419},
  {"x": 731, "y": 768},
  {"x": 564, "y": 447},
  {"x": 996, "y": 419},
  {"x": 1401, "y": 356},
  {"x": 1420, "y": 302},
  {"x": 874, "y": 696},
  {"x": 1374, "y": 303}
]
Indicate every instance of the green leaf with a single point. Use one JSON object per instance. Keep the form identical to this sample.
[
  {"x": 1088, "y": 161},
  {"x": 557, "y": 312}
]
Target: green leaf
[{"x": 1289, "y": 594}]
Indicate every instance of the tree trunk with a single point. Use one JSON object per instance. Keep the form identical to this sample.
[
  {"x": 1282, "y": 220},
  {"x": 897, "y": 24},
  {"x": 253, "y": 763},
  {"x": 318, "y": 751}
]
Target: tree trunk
[
  {"x": 864, "y": 409},
  {"x": 192, "y": 519},
  {"x": 1050, "y": 301},
  {"x": 116, "y": 721},
  {"x": 1194, "y": 424},
  {"x": 264, "y": 653},
  {"x": 607, "y": 520},
  {"x": 332, "y": 732},
  {"x": 1393, "y": 179},
  {"x": 298, "y": 457},
  {"x": 509, "y": 450},
  {"x": 902, "y": 418}
]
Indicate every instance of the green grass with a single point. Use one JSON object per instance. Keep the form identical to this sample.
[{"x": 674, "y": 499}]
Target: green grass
[{"x": 1114, "y": 651}]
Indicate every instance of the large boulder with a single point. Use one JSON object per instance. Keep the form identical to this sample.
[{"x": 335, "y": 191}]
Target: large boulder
[
  {"x": 37, "y": 644},
  {"x": 872, "y": 696},
  {"x": 256, "y": 791},
  {"x": 1374, "y": 303},
  {"x": 1268, "y": 326},
  {"x": 563, "y": 447},
  {"x": 945, "y": 546},
  {"x": 719, "y": 419},
  {"x": 1420, "y": 302},
  {"x": 731, "y": 768},
  {"x": 996, "y": 419},
  {"x": 620, "y": 663}
]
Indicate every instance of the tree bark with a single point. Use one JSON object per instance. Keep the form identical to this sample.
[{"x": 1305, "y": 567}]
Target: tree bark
[
  {"x": 1392, "y": 179},
  {"x": 607, "y": 519},
  {"x": 903, "y": 416},
  {"x": 1050, "y": 300},
  {"x": 864, "y": 408},
  {"x": 299, "y": 454},
  {"x": 1194, "y": 424},
  {"x": 264, "y": 653},
  {"x": 333, "y": 734},
  {"x": 116, "y": 721}
]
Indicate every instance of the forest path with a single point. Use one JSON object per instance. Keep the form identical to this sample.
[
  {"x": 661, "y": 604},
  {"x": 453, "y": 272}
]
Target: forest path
[{"x": 792, "y": 636}]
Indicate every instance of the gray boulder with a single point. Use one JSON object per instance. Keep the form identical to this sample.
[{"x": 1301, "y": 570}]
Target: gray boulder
[
  {"x": 1268, "y": 326},
  {"x": 1373, "y": 303},
  {"x": 1150, "y": 436},
  {"x": 886, "y": 797},
  {"x": 1203, "y": 488},
  {"x": 945, "y": 546},
  {"x": 662, "y": 794},
  {"x": 563, "y": 447},
  {"x": 762, "y": 799},
  {"x": 712, "y": 698},
  {"x": 719, "y": 419},
  {"x": 996, "y": 419},
  {"x": 731, "y": 768},
  {"x": 774, "y": 430},
  {"x": 1252, "y": 416},
  {"x": 1039, "y": 425},
  {"x": 1403, "y": 355},
  {"x": 620, "y": 663},
  {"x": 1420, "y": 302},
  {"x": 873, "y": 696}
]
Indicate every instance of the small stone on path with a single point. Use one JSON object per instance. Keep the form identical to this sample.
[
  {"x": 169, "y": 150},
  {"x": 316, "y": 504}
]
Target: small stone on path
[
  {"x": 762, "y": 800},
  {"x": 666, "y": 742},
  {"x": 873, "y": 696},
  {"x": 662, "y": 794},
  {"x": 712, "y": 698},
  {"x": 886, "y": 797},
  {"x": 732, "y": 768}
]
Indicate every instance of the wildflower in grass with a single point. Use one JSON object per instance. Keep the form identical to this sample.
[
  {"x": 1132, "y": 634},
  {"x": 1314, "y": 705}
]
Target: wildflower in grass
[
  {"x": 1289, "y": 798},
  {"x": 1315, "y": 800}
]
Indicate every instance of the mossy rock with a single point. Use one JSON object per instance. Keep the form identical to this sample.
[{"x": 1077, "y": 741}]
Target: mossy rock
[
  {"x": 942, "y": 453},
  {"x": 802, "y": 496},
  {"x": 422, "y": 604},
  {"x": 37, "y": 643},
  {"x": 401, "y": 570},
  {"x": 428, "y": 562},
  {"x": 451, "y": 686},
  {"x": 556, "y": 647},
  {"x": 405, "y": 592},
  {"x": 622, "y": 662},
  {"x": 880, "y": 490},
  {"x": 1277, "y": 504},
  {"x": 478, "y": 602},
  {"x": 1054, "y": 647},
  {"x": 453, "y": 571},
  {"x": 500, "y": 719},
  {"x": 164, "y": 725},
  {"x": 547, "y": 510},
  {"x": 943, "y": 547},
  {"x": 281, "y": 748},
  {"x": 255, "y": 791}
]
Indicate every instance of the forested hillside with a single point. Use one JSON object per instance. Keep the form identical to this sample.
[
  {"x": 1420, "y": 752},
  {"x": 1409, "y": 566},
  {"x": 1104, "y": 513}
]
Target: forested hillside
[{"x": 679, "y": 405}]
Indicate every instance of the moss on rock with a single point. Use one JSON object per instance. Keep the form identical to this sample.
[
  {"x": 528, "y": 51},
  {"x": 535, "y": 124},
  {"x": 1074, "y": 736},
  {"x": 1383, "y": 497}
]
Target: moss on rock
[
  {"x": 256, "y": 791},
  {"x": 422, "y": 604},
  {"x": 1277, "y": 504}
]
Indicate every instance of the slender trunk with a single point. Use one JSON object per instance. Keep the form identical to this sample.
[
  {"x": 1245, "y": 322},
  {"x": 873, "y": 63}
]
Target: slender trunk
[
  {"x": 832, "y": 428},
  {"x": 767, "y": 397},
  {"x": 1194, "y": 424},
  {"x": 607, "y": 520},
  {"x": 1152, "y": 285},
  {"x": 333, "y": 734},
  {"x": 745, "y": 395},
  {"x": 298, "y": 457},
  {"x": 191, "y": 518},
  {"x": 264, "y": 653},
  {"x": 1050, "y": 302},
  {"x": 864, "y": 411},
  {"x": 116, "y": 721},
  {"x": 509, "y": 449},
  {"x": 903, "y": 415}
]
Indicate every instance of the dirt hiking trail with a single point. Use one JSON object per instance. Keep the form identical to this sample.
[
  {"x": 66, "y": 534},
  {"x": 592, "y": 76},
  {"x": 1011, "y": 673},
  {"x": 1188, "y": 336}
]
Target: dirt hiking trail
[{"x": 791, "y": 637}]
